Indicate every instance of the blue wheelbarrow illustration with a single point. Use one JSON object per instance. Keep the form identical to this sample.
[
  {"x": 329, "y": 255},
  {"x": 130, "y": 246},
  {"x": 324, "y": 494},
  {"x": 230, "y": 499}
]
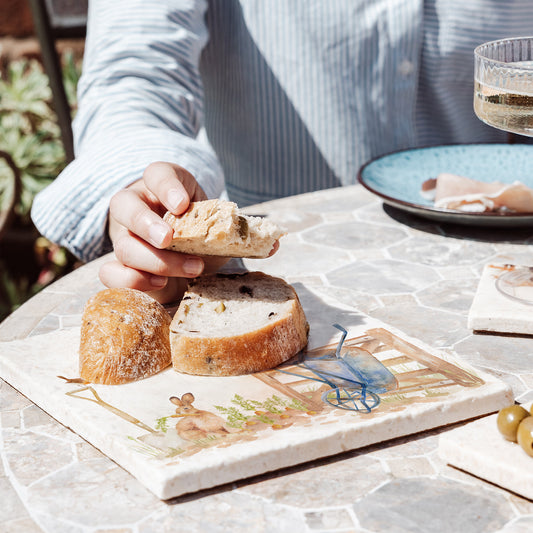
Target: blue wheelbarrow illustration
[{"x": 354, "y": 376}]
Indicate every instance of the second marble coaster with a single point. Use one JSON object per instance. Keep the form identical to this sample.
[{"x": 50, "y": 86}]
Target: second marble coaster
[{"x": 504, "y": 300}]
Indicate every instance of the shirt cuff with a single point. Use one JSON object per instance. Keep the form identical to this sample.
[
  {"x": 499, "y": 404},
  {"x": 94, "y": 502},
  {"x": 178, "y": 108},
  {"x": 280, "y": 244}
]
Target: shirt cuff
[{"x": 73, "y": 210}]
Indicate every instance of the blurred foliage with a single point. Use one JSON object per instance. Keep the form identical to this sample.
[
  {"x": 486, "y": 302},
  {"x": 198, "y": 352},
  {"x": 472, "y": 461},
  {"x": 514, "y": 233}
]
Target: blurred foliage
[{"x": 31, "y": 137}]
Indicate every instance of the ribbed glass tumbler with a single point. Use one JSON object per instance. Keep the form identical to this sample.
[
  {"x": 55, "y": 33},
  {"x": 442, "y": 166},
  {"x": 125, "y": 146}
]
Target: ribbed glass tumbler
[{"x": 503, "y": 88}]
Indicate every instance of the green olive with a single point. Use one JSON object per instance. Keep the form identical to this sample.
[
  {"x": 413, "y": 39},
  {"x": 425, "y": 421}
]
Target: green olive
[
  {"x": 508, "y": 420},
  {"x": 525, "y": 435}
]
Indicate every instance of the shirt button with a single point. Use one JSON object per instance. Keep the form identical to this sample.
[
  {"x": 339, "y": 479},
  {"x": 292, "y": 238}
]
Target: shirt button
[{"x": 405, "y": 68}]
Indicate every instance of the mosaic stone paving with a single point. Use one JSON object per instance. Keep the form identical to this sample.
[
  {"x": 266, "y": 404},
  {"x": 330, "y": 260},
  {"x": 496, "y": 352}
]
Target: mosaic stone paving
[{"x": 413, "y": 274}]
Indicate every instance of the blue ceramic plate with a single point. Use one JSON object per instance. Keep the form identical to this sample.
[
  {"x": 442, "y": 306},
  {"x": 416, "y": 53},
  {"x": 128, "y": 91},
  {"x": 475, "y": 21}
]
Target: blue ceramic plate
[{"x": 398, "y": 177}]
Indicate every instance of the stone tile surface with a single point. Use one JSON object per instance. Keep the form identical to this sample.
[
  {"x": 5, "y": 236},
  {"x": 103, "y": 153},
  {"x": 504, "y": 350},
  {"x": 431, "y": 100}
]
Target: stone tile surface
[
  {"x": 23, "y": 448},
  {"x": 439, "y": 251},
  {"x": 12, "y": 508},
  {"x": 409, "y": 272},
  {"x": 118, "y": 497},
  {"x": 420, "y": 322},
  {"x": 410, "y": 467},
  {"x": 356, "y": 234},
  {"x": 23, "y": 525},
  {"x": 331, "y": 519},
  {"x": 505, "y": 353},
  {"x": 300, "y": 259},
  {"x": 224, "y": 512},
  {"x": 321, "y": 482},
  {"x": 453, "y": 295},
  {"x": 383, "y": 276},
  {"x": 415, "y": 506}
]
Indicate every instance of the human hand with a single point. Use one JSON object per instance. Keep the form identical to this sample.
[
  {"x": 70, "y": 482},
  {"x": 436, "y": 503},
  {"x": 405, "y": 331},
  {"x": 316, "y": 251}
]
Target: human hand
[{"x": 140, "y": 236}]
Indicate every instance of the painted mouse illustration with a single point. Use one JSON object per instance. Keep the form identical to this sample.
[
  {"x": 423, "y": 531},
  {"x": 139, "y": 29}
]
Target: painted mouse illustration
[{"x": 195, "y": 423}]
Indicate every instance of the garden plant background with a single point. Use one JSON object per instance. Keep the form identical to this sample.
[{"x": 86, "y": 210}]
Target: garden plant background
[{"x": 31, "y": 156}]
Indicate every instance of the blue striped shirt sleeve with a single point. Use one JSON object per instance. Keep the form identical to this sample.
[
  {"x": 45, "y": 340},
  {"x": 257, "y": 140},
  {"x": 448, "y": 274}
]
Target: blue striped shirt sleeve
[{"x": 140, "y": 101}]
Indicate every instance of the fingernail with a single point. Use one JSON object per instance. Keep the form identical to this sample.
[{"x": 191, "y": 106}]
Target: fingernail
[
  {"x": 158, "y": 281},
  {"x": 157, "y": 233},
  {"x": 176, "y": 200},
  {"x": 193, "y": 267}
]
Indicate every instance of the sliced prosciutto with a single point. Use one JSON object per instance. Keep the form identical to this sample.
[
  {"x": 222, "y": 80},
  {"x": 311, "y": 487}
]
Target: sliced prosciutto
[{"x": 449, "y": 191}]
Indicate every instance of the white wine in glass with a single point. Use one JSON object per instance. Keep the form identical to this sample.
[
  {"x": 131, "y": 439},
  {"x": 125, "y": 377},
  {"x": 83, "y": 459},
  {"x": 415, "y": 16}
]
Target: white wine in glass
[
  {"x": 503, "y": 92},
  {"x": 503, "y": 98}
]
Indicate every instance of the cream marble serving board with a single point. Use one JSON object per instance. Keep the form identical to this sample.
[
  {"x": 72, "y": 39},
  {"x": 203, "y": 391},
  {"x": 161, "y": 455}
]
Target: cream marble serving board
[
  {"x": 257, "y": 423},
  {"x": 479, "y": 449},
  {"x": 494, "y": 311}
]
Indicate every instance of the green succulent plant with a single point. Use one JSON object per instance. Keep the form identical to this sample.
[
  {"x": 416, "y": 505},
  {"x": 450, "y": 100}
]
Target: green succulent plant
[
  {"x": 29, "y": 131},
  {"x": 32, "y": 155}
]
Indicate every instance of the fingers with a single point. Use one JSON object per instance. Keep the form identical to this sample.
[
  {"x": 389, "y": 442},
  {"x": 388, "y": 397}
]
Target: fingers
[
  {"x": 115, "y": 274},
  {"x": 163, "y": 289},
  {"x": 174, "y": 186},
  {"x": 128, "y": 209},
  {"x": 139, "y": 208},
  {"x": 132, "y": 252},
  {"x": 140, "y": 235},
  {"x": 147, "y": 270},
  {"x": 173, "y": 291}
]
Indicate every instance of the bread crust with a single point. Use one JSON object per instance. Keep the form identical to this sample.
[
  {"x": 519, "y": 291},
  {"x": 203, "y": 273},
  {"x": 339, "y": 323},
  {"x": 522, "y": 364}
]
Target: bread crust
[
  {"x": 253, "y": 351},
  {"x": 124, "y": 337}
]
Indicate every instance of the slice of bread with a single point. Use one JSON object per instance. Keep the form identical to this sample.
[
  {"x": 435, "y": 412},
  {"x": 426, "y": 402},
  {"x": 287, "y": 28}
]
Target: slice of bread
[
  {"x": 124, "y": 337},
  {"x": 233, "y": 324},
  {"x": 216, "y": 227}
]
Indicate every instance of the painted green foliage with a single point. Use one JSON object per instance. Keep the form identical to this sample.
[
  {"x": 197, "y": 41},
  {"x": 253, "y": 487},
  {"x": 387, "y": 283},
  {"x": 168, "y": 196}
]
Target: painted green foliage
[{"x": 255, "y": 409}]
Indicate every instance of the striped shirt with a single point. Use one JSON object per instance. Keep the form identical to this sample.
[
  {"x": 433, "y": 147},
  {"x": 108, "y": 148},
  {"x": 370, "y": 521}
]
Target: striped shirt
[{"x": 265, "y": 98}]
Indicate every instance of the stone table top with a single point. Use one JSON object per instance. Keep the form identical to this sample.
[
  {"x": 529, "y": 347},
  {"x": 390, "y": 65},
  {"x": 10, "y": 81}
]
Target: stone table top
[{"x": 414, "y": 274}]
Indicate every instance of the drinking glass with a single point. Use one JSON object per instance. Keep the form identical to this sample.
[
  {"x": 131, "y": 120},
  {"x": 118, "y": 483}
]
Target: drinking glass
[
  {"x": 503, "y": 98},
  {"x": 503, "y": 93}
]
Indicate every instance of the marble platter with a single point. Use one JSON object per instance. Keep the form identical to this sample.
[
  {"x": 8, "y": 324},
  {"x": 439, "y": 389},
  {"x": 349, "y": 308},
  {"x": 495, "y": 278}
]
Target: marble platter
[
  {"x": 248, "y": 425},
  {"x": 479, "y": 449}
]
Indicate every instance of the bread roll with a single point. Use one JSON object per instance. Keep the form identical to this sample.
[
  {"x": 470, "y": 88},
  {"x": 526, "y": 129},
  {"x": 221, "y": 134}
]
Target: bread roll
[
  {"x": 215, "y": 227},
  {"x": 124, "y": 337},
  {"x": 232, "y": 324}
]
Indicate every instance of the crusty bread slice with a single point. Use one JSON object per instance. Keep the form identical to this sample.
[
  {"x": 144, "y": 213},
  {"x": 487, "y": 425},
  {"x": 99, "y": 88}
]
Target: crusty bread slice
[
  {"x": 124, "y": 337},
  {"x": 216, "y": 227},
  {"x": 233, "y": 324}
]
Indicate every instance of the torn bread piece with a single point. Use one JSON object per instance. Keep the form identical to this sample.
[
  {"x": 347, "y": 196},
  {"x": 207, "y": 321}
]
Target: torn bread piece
[
  {"x": 233, "y": 324},
  {"x": 459, "y": 193},
  {"x": 216, "y": 227}
]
